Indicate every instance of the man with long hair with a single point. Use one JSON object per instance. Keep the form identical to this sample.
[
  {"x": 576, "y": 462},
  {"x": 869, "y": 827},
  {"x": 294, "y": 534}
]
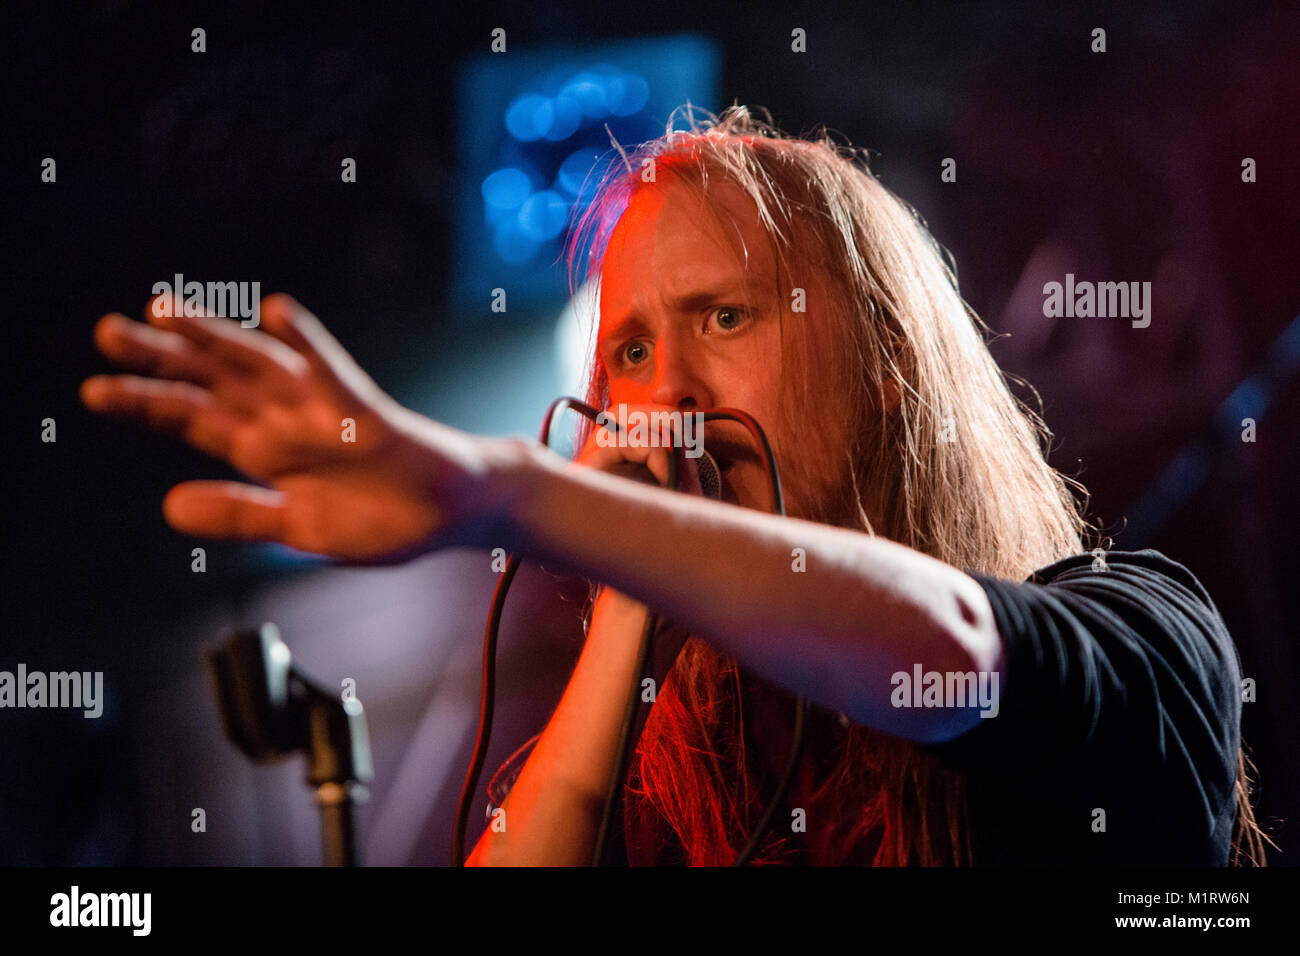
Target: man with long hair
[{"x": 925, "y": 534}]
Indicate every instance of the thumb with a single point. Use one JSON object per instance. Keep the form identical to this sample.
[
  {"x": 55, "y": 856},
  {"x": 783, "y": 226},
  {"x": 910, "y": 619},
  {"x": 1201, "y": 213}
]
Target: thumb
[{"x": 225, "y": 510}]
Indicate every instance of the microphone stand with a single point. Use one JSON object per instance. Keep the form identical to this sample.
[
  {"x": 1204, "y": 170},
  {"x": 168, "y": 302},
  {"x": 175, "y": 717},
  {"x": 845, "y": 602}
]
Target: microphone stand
[{"x": 269, "y": 710}]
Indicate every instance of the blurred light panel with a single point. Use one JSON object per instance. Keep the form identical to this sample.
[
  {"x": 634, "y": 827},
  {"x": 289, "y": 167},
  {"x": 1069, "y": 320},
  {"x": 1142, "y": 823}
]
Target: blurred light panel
[{"x": 533, "y": 128}]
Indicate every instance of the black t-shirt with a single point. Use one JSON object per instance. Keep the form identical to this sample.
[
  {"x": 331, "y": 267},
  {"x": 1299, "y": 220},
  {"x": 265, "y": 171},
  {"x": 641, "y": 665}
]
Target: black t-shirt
[
  {"x": 1118, "y": 722},
  {"x": 1122, "y": 694}
]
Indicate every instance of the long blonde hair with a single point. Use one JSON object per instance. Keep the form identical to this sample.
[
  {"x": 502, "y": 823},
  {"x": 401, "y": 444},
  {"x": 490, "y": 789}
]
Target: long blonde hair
[{"x": 956, "y": 465}]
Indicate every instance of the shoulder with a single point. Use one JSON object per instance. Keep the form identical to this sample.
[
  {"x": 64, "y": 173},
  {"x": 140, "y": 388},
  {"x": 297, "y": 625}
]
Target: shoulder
[
  {"x": 1112, "y": 664},
  {"x": 1122, "y": 691},
  {"x": 1138, "y": 568},
  {"x": 1139, "y": 602},
  {"x": 1140, "y": 573}
]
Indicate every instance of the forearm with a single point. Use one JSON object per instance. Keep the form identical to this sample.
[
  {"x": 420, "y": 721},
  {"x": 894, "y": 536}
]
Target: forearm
[
  {"x": 554, "y": 808},
  {"x": 861, "y": 609}
]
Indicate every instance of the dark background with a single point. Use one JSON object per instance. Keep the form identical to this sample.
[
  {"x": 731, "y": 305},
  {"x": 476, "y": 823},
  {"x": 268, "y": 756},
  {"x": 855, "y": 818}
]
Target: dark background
[{"x": 1122, "y": 166}]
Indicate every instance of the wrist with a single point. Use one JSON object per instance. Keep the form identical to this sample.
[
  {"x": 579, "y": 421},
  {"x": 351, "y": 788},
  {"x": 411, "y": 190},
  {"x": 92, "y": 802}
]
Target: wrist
[{"x": 508, "y": 487}]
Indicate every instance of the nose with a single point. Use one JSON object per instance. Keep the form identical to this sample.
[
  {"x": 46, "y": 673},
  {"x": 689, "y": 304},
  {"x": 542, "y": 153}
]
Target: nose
[{"x": 678, "y": 380}]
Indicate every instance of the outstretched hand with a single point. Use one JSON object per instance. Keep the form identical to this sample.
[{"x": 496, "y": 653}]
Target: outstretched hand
[{"x": 341, "y": 469}]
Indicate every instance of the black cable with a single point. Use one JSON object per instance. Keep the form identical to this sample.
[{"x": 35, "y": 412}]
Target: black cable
[
  {"x": 487, "y": 702},
  {"x": 625, "y": 743},
  {"x": 800, "y": 703},
  {"x": 487, "y": 698},
  {"x": 782, "y": 788}
]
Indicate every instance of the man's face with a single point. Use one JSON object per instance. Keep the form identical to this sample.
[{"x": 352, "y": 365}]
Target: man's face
[{"x": 686, "y": 322}]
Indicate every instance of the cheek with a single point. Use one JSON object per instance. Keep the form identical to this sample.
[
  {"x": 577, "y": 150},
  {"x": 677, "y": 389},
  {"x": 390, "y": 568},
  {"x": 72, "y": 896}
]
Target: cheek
[
  {"x": 753, "y": 373},
  {"x": 628, "y": 392}
]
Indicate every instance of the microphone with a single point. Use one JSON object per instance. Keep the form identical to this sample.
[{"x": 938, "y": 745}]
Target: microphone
[
  {"x": 710, "y": 476},
  {"x": 705, "y": 479}
]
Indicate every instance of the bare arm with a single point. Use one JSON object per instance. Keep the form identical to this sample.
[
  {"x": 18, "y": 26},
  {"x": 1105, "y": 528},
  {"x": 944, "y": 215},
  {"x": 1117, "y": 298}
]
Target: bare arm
[
  {"x": 271, "y": 401},
  {"x": 554, "y": 808},
  {"x": 886, "y": 618},
  {"x": 863, "y": 609}
]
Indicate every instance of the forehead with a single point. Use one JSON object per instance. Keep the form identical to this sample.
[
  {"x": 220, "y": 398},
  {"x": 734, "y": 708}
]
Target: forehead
[{"x": 672, "y": 241}]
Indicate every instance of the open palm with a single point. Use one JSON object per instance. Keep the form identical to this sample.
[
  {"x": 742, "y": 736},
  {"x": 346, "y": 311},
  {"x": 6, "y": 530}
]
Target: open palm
[{"x": 343, "y": 470}]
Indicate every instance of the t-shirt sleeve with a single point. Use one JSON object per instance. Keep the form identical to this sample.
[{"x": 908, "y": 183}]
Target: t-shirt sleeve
[{"x": 1117, "y": 675}]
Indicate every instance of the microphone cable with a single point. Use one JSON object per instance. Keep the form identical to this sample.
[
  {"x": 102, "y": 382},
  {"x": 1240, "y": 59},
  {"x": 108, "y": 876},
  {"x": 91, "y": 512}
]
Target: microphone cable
[{"x": 625, "y": 742}]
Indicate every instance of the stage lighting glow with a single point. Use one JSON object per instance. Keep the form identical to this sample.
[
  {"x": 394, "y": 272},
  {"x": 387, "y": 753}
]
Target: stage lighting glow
[
  {"x": 588, "y": 89},
  {"x": 573, "y": 176},
  {"x": 529, "y": 117},
  {"x": 566, "y": 117},
  {"x": 513, "y": 244},
  {"x": 630, "y": 94},
  {"x": 537, "y": 129},
  {"x": 574, "y": 338},
  {"x": 506, "y": 188},
  {"x": 543, "y": 215}
]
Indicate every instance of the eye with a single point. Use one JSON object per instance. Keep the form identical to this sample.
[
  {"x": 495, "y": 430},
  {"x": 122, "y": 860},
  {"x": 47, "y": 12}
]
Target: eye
[
  {"x": 728, "y": 318},
  {"x": 634, "y": 353}
]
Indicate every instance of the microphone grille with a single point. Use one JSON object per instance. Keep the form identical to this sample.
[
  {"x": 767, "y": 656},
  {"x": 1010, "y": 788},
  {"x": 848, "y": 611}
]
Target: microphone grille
[{"x": 710, "y": 476}]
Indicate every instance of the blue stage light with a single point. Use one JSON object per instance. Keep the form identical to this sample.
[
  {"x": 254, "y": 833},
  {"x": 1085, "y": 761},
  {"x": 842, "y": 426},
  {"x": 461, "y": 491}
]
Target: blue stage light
[
  {"x": 543, "y": 215},
  {"x": 589, "y": 89},
  {"x": 566, "y": 117},
  {"x": 513, "y": 244},
  {"x": 506, "y": 188},
  {"x": 575, "y": 175},
  {"x": 628, "y": 92},
  {"x": 529, "y": 117},
  {"x": 536, "y": 124}
]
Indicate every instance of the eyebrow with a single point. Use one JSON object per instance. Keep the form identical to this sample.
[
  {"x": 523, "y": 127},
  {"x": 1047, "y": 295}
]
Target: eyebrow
[{"x": 693, "y": 301}]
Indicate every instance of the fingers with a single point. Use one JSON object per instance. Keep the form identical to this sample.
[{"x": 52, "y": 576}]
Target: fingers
[
  {"x": 177, "y": 408},
  {"x": 227, "y": 358},
  {"x": 644, "y": 434},
  {"x": 285, "y": 319},
  {"x": 142, "y": 348},
  {"x": 226, "y": 510},
  {"x": 245, "y": 350},
  {"x": 605, "y": 454}
]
